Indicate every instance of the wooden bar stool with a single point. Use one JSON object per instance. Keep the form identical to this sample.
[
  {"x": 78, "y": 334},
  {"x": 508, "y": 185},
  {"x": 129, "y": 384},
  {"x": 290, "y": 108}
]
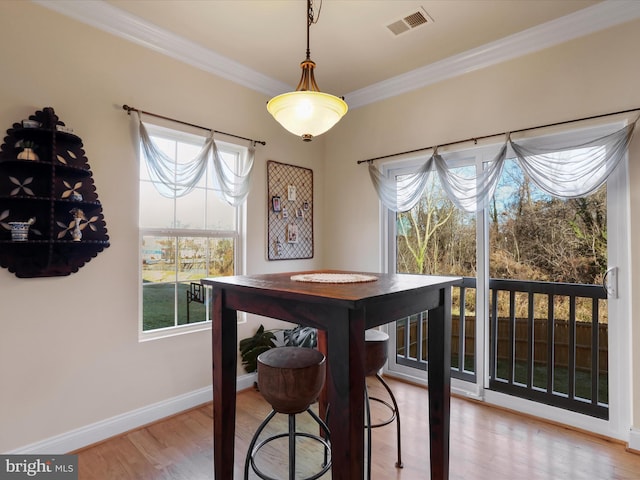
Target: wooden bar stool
[
  {"x": 376, "y": 345},
  {"x": 290, "y": 379}
]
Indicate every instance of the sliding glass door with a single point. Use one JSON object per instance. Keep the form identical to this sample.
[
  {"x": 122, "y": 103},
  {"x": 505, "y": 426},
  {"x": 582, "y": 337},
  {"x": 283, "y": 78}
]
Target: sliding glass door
[{"x": 531, "y": 326}]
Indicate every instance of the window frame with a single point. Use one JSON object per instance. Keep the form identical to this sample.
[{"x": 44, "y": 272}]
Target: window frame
[
  {"x": 238, "y": 236},
  {"x": 618, "y": 200}
]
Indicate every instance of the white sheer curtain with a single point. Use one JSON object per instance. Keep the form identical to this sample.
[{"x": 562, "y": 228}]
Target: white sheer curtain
[
  {"x": 173, "y": 179},
  {"x": 571, "y": 171},
  {"x": 563, "y": 170}
]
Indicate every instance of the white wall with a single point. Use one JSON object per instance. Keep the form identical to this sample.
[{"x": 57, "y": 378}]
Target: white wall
[
  {"x": 593, "y": 75},
  {"x": 69, "y": 350}
]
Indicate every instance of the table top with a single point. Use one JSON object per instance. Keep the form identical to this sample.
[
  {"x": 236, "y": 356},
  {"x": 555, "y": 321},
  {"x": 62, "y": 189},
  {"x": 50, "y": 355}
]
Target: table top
[{"x": 350, "y": 295}]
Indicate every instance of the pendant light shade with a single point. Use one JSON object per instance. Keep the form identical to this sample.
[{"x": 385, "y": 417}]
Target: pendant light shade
[{"x": 307, "y": 112}]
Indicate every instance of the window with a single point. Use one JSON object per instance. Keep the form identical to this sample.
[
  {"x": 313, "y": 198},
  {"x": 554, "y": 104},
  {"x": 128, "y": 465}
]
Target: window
[
  {"x": 435, "y": 237},
  {"x": 184, "y": 239},
  {"x": 535, "y": 254}
]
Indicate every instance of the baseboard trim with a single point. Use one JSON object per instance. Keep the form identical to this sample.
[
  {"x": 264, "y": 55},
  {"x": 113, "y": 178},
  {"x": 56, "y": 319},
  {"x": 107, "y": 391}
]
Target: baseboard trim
[
  {"x": 634, "y": 440},
  {"x": 246, "y": 381},
  {"x": 111, "y": 427}
]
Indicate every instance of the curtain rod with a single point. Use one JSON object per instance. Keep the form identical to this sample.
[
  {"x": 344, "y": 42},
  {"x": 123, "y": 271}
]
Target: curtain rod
[
  {"x": 130, "y": 109},
  {"x": 475, "y": 139}
]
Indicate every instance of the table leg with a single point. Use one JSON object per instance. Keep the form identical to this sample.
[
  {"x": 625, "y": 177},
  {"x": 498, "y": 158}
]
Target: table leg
[
  {"x": 345, "y": 348},
  {"x": 439, "y": 338},
  {"x": 224, "y": 340},
  {"x": 323, "y": 399}
]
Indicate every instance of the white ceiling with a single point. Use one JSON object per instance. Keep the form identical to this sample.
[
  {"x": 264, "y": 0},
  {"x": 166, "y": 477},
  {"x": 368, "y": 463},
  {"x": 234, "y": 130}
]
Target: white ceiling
[{"x": 260, "y": 43}]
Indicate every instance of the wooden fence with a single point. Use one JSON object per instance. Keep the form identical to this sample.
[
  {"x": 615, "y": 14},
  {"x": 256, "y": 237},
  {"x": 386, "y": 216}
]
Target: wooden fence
[{"x": 561, "y": 341}]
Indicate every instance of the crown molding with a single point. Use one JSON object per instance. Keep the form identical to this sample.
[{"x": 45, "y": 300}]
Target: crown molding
[
  {"x": 115, "y": 21},
  {"x": 108, "y": 18},
  {"x": 584, "y": 22}
]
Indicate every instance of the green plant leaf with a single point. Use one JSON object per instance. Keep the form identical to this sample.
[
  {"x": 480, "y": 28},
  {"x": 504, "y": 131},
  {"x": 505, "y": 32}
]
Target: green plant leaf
[
  {"x": 302, "y": 337},
  {"x": 253, "y": 346},
  {"x": 250, "y": 359}
]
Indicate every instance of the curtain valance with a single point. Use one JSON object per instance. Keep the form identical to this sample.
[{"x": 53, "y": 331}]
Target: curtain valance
[
  {"x": 563, "y": 170},
  {"x": 172, "y": 179}
]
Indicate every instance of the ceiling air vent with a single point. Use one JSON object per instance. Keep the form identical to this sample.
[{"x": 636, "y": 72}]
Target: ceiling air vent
[{"x": 410, "y": 22}]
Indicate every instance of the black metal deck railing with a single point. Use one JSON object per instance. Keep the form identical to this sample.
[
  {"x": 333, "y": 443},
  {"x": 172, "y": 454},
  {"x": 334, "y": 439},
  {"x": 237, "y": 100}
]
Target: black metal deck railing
[{"x": 548, "y": 342}]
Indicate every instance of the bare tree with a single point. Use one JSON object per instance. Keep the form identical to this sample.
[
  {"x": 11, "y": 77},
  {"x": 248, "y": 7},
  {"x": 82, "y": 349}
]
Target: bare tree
[
  {"x": 417, "y": 228},
  {"x": 532, "y": 235}
]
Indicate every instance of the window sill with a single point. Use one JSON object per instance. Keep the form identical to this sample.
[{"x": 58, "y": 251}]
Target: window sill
[
  {"x": 173, "y": 331},
  {"x": 182, "y": 329}
]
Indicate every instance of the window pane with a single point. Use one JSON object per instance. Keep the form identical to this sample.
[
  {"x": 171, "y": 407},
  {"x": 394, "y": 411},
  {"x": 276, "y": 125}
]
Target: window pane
[
  {"x": 436, "y": 238},
  {"x": 190, "y": 210},
  {"x": 158, "y": 259},
  {"x": 221, "y": 257},
  {"x": 187, "y": 152},
  {"x": 167, "y": 146},
  {"x": 220, "y": 215},
  {"x": 229, "y": 158},
  {"x": 189, "y": 311},
  {"x": 156, "y": 211},
  {"x": 534, "y": 236},
  {"x": 158, "y": 302},
  {"x": 193, "y": 257}
]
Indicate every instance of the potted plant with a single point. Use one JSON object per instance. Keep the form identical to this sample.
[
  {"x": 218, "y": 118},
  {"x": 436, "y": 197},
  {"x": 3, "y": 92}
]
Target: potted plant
[
  {"x": 263, "y": 340},
  {"x": 253, "y": 346},
  {"x": 302, "y": 336}
]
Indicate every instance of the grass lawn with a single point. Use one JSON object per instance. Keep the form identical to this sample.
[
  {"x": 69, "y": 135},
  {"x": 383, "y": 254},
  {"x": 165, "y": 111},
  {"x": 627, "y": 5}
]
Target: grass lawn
[
  {"x": 560, "y": 380},
  {"x": 159, "y": 306}
]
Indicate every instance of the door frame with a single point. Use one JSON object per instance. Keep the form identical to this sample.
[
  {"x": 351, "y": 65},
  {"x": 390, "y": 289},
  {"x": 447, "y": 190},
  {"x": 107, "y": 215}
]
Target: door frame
[{"x": 619, "y": 255}]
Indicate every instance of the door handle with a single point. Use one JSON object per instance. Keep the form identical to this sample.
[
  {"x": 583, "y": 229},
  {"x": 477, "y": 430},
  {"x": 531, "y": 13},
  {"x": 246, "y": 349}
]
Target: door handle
[{"x": 610, "y": 282}]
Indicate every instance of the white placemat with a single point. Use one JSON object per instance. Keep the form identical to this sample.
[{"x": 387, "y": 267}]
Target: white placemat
[{"x": 334, "y": 278}]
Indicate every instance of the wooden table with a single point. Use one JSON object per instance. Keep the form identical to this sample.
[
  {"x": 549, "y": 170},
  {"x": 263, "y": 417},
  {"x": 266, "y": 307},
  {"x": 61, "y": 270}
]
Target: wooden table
[{"x": 344, "y": 311}]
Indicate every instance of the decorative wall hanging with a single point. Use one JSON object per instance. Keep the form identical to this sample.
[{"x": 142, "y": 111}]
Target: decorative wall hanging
[
  {"x": 51, "y": 221},
  {"x": 290, "y": 211}
]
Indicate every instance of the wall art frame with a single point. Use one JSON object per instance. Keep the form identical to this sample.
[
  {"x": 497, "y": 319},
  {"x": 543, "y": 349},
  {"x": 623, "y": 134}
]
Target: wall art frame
[{"x": 290, "y": 218}]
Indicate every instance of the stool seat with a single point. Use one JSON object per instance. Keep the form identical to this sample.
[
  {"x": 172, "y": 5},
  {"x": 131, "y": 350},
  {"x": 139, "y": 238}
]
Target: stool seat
[
  {"x": 291, "y": 378},
  {"x": 376, "y": 344}
]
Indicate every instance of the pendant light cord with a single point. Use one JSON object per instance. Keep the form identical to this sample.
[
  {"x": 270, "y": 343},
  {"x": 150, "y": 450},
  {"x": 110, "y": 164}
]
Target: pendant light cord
[
  {"x": 311, "y": 19},
  {"x": 309, "y": 22}
]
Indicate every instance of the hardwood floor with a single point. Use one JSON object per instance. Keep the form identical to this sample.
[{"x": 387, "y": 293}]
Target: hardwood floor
[{"x": 486, "y": 444}]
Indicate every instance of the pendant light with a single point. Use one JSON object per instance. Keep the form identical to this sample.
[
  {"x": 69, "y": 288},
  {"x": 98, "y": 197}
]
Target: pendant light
[{"x": 307, "y": 112}]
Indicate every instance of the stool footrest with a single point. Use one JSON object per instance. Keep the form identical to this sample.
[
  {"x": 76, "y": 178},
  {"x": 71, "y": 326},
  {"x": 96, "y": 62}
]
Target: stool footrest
[{"x": 292, "y": 434}]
